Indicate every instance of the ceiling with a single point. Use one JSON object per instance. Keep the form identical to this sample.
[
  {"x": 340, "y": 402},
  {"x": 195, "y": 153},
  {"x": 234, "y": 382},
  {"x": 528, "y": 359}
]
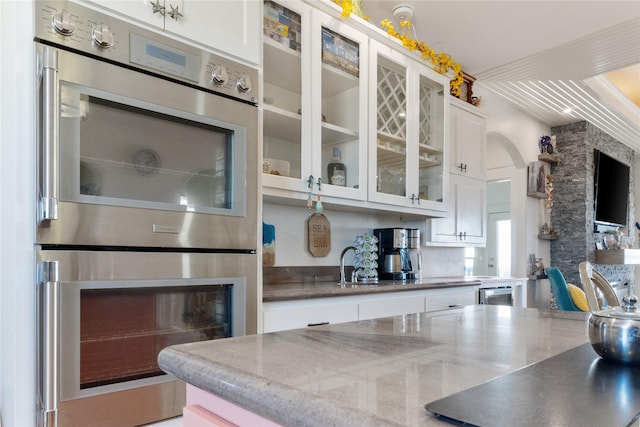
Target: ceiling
[{"x": 560, "y": 61}]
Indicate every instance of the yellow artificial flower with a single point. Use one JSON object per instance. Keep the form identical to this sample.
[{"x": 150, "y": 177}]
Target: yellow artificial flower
[
  {"x": 346, "y": 5},
  {"x": 441, "y": 61}
]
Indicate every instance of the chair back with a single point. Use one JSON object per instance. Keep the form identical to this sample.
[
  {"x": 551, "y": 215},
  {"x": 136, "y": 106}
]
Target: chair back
[
  {"x": 591, "y": 280},
  {"x": 560, "y": 290}
]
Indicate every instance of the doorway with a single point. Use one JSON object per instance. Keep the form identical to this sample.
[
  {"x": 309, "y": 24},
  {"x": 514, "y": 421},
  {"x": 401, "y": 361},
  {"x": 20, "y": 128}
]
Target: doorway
[
  {"x": 499, "y": 244},
  {"x": 506, "y": 175},
  {"x": 495, "y": 258}
]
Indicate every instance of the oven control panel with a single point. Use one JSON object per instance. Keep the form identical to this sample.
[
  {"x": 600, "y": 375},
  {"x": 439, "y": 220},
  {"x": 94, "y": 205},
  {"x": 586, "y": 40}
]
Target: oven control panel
[{"x": 74, "y": 27}]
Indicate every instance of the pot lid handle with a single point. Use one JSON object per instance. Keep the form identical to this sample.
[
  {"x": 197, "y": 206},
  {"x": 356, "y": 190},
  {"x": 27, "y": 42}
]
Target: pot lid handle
[{"x": 629, "y": 303}]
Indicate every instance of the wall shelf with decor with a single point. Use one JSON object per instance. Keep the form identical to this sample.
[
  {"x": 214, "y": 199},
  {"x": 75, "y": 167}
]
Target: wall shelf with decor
[
  {"x": 550, "y": 158},
  {"x": 618, "y": 256},
  {"x": 552, "y": 236},
  {"x": 536, "y": 195},
  {"x": 540, "y": 182}
]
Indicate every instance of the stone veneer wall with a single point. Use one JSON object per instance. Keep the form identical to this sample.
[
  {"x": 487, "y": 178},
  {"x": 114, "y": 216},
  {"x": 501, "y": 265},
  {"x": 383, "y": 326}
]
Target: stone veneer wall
[{"x": 572, "y": 215}]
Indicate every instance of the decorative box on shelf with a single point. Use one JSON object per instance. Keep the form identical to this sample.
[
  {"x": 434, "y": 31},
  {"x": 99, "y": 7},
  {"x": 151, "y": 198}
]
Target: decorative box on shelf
[
  {"x": 340, "y": 52},
  {"x": 282, "y": 25}
]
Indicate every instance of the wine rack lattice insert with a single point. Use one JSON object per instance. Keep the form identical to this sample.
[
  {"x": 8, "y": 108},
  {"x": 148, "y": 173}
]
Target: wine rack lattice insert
[
  {"x": 391, "y": 102},
  {"x": 425, "y": 115}
]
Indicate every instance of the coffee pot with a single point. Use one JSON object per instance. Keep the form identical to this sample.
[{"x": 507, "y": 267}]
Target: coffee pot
[{"x": 393, "y": 244}]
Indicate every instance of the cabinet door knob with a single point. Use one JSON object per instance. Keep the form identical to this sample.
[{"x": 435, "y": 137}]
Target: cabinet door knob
[
  {"x": 174, "y": 13},
  {"x": 158, "y": 8},
  {"x": 463, "y": 167}
]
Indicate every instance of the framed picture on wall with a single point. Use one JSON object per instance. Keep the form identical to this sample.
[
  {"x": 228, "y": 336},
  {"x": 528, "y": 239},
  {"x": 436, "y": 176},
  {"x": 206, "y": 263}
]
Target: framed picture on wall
[{"x": 537, "y": 179}]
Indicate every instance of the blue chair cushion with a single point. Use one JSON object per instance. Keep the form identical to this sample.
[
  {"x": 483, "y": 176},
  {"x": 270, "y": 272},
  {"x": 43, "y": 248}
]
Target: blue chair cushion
[{"x": 560, "y": 290}]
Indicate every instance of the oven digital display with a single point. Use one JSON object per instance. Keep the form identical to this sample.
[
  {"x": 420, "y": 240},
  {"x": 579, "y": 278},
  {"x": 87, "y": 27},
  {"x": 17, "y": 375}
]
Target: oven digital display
[
  {"x": 158, "y": 52},
  {"x": 165, "y": 59}
]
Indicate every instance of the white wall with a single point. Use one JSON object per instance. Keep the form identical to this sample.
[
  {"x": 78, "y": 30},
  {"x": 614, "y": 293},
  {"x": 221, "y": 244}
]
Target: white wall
[
  {"x": 290, "y": 224},
  {"x": 523, "y": 133},
  {"x": 17, "y": 171}
]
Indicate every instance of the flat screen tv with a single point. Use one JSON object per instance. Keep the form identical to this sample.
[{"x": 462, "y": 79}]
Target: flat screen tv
[{"x": 611, "y": 190}]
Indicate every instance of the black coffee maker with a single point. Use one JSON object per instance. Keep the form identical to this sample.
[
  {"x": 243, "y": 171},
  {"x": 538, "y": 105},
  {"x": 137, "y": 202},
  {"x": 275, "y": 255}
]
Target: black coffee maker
[{"x": 393, "y": 253}]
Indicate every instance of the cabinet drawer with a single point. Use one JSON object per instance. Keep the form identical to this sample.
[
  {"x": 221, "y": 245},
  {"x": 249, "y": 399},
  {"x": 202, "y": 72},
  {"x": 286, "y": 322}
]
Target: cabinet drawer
[
  {"x": 450, "y": 299},
  {"x": 300, "y": 315},
  {"x": 390, "y": 307}
]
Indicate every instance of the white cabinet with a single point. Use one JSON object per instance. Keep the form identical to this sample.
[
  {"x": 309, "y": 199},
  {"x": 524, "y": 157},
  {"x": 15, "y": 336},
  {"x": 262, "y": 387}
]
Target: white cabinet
[
  {"x": 391, "y": 305},
  {"x": 330, "y": 88},
  {"x": 315, "y": 80},
  {"x": 228, "y": 26},
  {"x": 440, "y": 299},
  {"x": 466, "y": 223},
  {"x": 468, "y": 140},
  {"x": 145, "y": 11},
  {"x": 283, "y": 315},
  {"x": 408, "y": 106}
]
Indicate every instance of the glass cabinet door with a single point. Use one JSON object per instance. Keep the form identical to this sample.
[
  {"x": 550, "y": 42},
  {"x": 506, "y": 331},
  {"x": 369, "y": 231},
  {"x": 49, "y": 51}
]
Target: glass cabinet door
[
  {"x": 340, "y": 119},
  {"x": 431, "y": 140},
  {"x": 285, "y": 142},
  {"x": 315, "y": 103},
  {"x": 388, "y": 176},
  {"x": 410, "y": 131}
]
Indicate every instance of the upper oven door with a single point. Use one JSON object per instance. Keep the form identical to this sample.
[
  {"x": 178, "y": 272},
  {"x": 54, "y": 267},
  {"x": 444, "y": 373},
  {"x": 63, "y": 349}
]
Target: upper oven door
[{"x": 130, "y": 159}]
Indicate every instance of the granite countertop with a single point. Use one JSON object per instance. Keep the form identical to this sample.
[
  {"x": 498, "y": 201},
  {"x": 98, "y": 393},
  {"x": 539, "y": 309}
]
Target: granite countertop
[
  {"x": 305, "y": 290},
  {"x": 321, "y": 289},
  {"x": 373, "y": 372}
]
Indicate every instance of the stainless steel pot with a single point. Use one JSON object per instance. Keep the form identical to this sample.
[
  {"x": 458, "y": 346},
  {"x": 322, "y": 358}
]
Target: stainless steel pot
[{"x": 615, "y": 332}]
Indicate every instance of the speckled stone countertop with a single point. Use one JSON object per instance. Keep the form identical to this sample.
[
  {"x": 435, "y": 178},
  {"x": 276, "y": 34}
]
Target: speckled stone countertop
[
  {"x": 373, "y": 372},
  {"x": 305, "y": 290}
]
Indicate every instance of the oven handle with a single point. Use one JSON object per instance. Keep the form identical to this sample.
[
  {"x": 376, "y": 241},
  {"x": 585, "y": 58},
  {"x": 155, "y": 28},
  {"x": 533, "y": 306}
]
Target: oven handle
[
  {"x": 49, "y": 341},
  {"x": 48, "y": 203}
]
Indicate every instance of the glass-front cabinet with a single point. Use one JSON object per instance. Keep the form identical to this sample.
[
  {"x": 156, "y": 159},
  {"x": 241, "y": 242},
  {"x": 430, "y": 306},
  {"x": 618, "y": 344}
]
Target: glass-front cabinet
[
  {"x": 408, "y": 130},
  {"x": 314, "y": 105},
  {"x": 283, "y": 51}
]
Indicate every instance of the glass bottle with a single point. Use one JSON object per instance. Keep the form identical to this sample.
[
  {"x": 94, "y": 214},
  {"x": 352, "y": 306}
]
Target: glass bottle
[{"x": 336, "y": 170}]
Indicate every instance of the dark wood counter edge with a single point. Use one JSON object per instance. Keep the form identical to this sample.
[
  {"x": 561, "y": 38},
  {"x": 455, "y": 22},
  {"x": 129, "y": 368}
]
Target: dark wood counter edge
[{"x": 299, "y": 291}]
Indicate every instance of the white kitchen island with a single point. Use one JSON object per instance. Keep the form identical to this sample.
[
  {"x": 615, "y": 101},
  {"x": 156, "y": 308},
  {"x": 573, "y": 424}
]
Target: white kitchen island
[{"x": 372, "y": 372}]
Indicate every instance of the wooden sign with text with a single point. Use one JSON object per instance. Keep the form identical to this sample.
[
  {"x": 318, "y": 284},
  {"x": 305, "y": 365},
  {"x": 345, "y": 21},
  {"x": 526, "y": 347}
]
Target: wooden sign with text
[{"x": 319, "y": 235}]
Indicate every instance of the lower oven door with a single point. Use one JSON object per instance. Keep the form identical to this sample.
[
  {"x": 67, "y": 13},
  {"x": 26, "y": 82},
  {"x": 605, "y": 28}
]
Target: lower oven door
[
  {"x": 502, "y": 295},
  {"x": 105, "y": 316}
]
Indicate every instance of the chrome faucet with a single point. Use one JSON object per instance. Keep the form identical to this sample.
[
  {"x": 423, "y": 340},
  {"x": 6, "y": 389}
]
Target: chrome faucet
[{"x": 354, "y": 277}]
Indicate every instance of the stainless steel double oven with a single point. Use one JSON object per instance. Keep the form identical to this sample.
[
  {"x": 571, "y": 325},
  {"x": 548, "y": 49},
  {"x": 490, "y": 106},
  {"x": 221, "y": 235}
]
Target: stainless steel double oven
[{"x": 147, "y": 212}]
